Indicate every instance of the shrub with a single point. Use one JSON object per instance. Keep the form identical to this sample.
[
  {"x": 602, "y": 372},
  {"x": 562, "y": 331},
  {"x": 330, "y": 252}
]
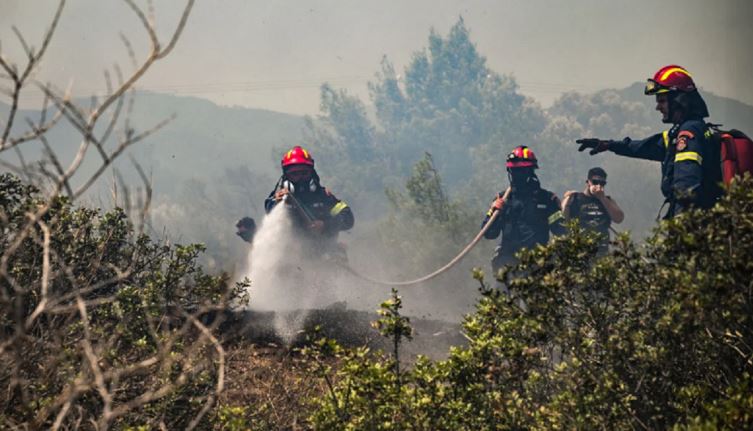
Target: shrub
[
  {"x": 100, "y": 323},
  {"x": 652, "y": 336}
]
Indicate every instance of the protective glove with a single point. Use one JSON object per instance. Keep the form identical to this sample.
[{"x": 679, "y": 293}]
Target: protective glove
[
  {"x": 597, "y": 145},
  {"x": 500, "y": 201}
]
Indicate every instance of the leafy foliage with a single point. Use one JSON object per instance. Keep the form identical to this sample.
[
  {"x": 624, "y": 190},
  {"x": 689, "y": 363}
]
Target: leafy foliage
[
  {"x": 422, "y": 214},
  {"x": 448, "y": 102},
  {"x": 658, "y": 336},
  {"x": 101, "y": 323}
]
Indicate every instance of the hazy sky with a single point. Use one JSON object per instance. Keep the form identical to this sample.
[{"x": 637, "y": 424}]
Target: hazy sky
[{"x": 275, "y": 54}]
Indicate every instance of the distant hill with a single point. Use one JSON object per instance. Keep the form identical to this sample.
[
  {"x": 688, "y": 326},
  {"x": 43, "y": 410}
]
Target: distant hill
[
  {"x": 214, "y": 164},
  {"x": 724, "y": 110},
  {"x": 204, "y": 138}
]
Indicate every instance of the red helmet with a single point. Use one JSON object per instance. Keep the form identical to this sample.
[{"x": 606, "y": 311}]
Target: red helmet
[
  {"x": 670, "y": 78},
  {"x": 297, "y": 156},
  {"x": 521, "y": 157}
]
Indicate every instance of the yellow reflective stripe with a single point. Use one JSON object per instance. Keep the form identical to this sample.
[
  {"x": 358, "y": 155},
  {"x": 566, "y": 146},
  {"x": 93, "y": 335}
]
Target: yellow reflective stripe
[
  {"x": 338, "y": 208},
  {"x": 689, "y": 155},
  {"x": 525, "y": 153},
  {"x": 672, "y": 70},
  {"x": 665, "y": 135},
  {"x": 555, "y": 216},
  {"x": 305, "y": 153}
]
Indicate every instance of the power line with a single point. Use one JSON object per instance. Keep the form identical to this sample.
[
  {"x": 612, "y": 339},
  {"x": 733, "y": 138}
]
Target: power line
[{"x": 217, "y": 87}]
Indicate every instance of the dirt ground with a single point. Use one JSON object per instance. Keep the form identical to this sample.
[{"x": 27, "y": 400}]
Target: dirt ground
[{"x": 271, "y": 380}]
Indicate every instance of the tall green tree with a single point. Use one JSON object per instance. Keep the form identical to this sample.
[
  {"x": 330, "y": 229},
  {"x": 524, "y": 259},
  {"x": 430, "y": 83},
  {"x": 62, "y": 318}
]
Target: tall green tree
[{"x": 446, "y": 102}]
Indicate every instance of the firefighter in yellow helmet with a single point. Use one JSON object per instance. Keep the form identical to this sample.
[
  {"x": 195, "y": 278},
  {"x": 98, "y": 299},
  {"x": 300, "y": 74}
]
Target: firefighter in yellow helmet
[{"x": 690, "y": 166}]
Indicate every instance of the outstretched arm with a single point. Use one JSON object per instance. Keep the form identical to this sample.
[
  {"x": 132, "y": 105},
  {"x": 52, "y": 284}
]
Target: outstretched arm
[{"x": 651, "y": 148}]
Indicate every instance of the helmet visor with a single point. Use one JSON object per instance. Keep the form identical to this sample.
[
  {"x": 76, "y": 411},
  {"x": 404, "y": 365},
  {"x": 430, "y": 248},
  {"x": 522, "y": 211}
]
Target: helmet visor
[
  {"x": 653, "y": 87},
  {"x": 296, "y": 173}
]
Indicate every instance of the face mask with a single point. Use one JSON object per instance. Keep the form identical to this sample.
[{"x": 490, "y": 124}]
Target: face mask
[{"x": 522, "y": 178}]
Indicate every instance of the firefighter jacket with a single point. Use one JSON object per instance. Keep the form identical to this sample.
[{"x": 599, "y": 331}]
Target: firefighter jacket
[
  {"x": 592, "y": 215},
  {"x": 525, "y": 220},
  {"x": 319, "y": 204},
  {"x": 690, "y": 165}
]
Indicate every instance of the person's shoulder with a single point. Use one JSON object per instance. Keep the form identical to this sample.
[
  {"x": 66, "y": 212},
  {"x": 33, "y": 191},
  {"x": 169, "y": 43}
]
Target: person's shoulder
[
  {"x": 693, "y": 127},
  {"x": 548, "y": 195},
  {"x": 327, "y": 193}
]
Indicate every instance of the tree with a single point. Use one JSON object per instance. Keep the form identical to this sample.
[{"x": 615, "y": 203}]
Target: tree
[{"x": 447, "y": 102}]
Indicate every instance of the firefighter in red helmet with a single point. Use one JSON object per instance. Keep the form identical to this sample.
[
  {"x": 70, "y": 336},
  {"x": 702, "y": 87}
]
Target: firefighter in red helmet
[
  {"x": 528, "y": 213},
  {"x": 690, "y": 166},
  {"x": 316, "y": 211}
]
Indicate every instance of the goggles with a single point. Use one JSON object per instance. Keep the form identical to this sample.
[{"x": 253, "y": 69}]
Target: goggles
[
  {"x": 297, "y": 174},
  {"x": 653, "y": 87}
]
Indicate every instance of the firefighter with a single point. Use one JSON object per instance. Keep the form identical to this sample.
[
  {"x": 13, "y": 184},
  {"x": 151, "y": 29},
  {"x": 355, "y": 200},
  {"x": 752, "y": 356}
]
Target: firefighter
[
  {"x": 246, "y": 229},
  {"x": 315, "y": 209},
  {"x": 527, "y": 212},
  {"x": 594, "y": 210},
  {"x": 690, "y": 166}
]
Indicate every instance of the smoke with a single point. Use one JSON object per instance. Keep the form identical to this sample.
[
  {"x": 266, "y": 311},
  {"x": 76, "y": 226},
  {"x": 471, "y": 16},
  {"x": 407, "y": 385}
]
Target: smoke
[{"x": 291, "y": 274}]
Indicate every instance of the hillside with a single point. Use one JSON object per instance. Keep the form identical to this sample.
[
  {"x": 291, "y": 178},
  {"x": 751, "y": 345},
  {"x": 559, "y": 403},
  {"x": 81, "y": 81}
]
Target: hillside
[
  {"x": 202, "y": 140},
  {"x": 212, "y": 165}
]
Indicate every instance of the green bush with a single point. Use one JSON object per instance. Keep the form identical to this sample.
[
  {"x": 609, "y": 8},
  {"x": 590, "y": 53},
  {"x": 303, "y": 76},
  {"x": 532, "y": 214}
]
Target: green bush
[
  {"x": 100, "y": 324},
  {"x": 650, "y": 337}
]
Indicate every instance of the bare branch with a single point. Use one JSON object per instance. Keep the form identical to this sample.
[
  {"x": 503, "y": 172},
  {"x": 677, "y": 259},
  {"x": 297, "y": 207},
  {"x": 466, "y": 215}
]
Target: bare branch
[
  {"x": 148, "y": 191},
  {"x": 156, "y": 54},
  {"x": 45, "y": 273},
  {"x": 114, "y": 118},
  {"x": 20, "y": 80},
  {"x": 131, "y": 52},
  {"x": 9, "y": 68},
  {"x": 47, "y": 37},
  {"x": 55, "y": 162},
  {"x": 129, "y": 140},
  {"x": 23, "y": 43},
  {"x": 178, "y": 31},
  {"x": 221, "y": 371},
  {"x": 99, "y": 379},
  {"x": 145, "y": 22}
]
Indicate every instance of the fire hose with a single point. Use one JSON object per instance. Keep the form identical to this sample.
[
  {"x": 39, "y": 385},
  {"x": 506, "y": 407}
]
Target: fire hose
[
  {"x": 308, "y": 217},
  {"x": 439, "y": 271}
]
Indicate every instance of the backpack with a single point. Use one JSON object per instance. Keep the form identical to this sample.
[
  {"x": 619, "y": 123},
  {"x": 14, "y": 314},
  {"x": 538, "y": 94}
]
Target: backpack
[{"x": 736, "y": 152}]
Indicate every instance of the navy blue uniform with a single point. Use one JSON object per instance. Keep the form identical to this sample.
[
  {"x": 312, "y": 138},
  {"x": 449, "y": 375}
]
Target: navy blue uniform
[
  {"x": 321, "y": 205},
  {"x": 690, "y": 164},
  {"x": 525, "y": 220}
]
